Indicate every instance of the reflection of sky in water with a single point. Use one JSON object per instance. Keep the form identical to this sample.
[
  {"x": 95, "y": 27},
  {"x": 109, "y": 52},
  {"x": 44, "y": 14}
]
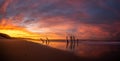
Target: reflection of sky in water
[{"x": 87, "y": 49}]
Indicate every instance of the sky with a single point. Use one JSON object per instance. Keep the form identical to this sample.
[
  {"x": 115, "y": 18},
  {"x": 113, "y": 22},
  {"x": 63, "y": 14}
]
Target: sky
[{"x": 88, "y": 18}]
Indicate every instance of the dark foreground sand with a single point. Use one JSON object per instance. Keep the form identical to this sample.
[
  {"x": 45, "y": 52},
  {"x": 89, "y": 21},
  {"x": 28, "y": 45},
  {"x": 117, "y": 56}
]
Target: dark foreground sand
[{"x": 20, "y": 50}]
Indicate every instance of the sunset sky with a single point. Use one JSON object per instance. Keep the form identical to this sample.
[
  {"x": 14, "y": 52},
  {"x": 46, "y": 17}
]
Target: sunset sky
[{"x": 89, "y": 18}]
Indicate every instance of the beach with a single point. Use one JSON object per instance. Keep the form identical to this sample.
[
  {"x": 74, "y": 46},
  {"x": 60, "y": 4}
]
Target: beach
[{"x": 22, "y": 50}]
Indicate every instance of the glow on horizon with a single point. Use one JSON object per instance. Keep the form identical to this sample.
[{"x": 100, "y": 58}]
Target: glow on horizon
[{"x": 20, "y": 34}]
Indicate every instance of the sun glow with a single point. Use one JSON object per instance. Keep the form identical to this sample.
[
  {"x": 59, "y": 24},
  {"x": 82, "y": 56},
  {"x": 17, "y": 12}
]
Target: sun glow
[
  {"x": 12, "y": 30},
  {"x": 19, "y": 32}
]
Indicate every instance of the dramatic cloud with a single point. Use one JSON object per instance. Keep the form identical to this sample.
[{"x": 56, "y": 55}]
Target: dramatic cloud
[{"x": 100, "y": 18}]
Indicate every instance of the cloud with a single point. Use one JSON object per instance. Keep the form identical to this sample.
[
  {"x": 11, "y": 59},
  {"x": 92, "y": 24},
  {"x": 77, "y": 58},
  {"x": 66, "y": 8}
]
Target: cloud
[{"x": 64, "y": 15}]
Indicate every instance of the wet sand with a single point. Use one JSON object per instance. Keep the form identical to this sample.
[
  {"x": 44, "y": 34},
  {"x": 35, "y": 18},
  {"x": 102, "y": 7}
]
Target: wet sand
[{"x": 21, "y": 50}]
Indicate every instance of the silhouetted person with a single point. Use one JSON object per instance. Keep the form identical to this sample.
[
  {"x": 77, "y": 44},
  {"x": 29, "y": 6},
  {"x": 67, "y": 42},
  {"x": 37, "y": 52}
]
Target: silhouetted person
[
  {"x": 67, "y": 40},
  {"x": 72, "y": 45},
  {"x": 74, "y": 42},
  {"x": 47, "y": 40},
  {"x": 71, "y": 42},
  {"x": 42, "y": 40}
]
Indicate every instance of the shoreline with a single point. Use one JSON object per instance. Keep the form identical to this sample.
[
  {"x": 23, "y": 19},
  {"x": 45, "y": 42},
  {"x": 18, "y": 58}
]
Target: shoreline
[{"x": 21, "y": 50}]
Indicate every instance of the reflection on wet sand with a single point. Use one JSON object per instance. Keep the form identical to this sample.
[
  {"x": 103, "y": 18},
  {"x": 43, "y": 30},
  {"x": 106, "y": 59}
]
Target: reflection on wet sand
[{"x": 85, "y": 48}]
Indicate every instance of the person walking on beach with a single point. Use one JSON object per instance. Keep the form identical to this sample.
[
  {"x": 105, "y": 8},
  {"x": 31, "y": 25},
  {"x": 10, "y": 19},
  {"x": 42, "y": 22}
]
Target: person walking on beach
[
  {"x": 47, "y": 40},
  {"x": 67, "y": 40},
  {"x": 74, "y": 41},
  {"x": 70, "y": 42},
  {"x": 42, "y": 40}
]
